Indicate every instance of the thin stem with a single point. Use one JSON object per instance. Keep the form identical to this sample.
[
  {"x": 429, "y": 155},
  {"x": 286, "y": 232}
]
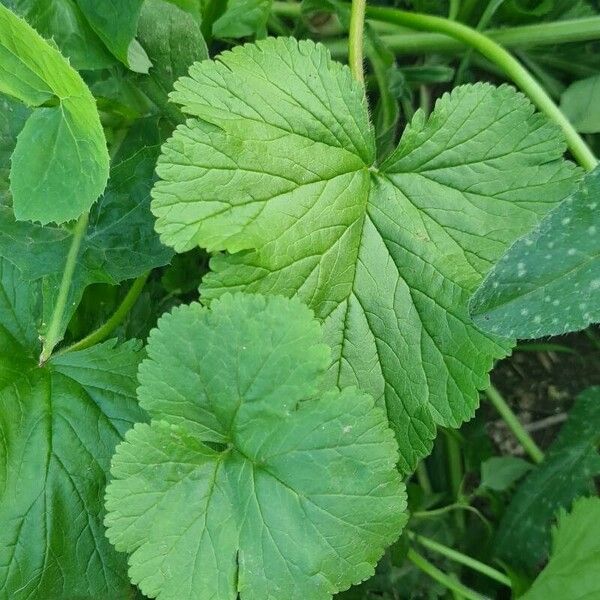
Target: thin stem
[
  {"x": 355, "y": 39},
  {"x": 55, "y": 329},
  {"x": 423, "y": 478},
  {"x": 511, "y": 67},
  {"x": 523, "y": 36},
  {"x": 100, "y": 334},
  {"x": 455, "y": 469},
  {"x": 454, "y": 8},
  {"x": 461, "y": 558},
  {"x": 450, "y": 583},
  {"x": 514, "y": 425}
]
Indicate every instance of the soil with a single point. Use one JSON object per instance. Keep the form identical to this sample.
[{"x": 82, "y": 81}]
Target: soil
[{"x": 541, "y": 385}]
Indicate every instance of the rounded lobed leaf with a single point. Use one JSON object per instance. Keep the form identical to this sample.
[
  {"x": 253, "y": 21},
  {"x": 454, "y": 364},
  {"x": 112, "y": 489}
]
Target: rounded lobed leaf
[
  {"x": 277, "y": 167},
  {"x": 251, "y": 479}
]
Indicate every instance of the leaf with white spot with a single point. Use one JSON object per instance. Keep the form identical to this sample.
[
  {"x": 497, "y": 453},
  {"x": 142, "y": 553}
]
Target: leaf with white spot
[
  {"x": 277, "y": 167},
  {"x": 568, "y": 471},
  {"x": 252, "y": 478},
  {"x": 548, "y": 283}
]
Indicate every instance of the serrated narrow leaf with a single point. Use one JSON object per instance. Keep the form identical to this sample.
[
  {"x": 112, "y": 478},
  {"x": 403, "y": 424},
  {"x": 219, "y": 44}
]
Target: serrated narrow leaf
[
  {"x": 60, "y": 163},
  {"x": 251, "y": 478},
  {"x": 59, "y": 425},
  {"x": 279, "y": 169},
  {"x": 572, "y": 571},
  {"x": 570, "y": 464},
  {"x": 548, "y": 283}
]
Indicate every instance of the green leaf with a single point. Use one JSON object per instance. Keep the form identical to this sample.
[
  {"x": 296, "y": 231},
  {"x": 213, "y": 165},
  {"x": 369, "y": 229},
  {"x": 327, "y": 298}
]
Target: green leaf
[
  {"x": 580, "y": 103},
  {"x": 12, "y": 118},
  {"x": 278, "y": 168},
  {"x": 252, "y": 477},
  {"x": 64, "y": 23},
  {"x": 572, "y": 571},
  {"x": 59, "y": 425},
  {"x": 548, "y": 282},
  {"x": 523, "y": 538},
  {"x": 120, "y": 242},
  {"x": 173, "y": 41},
  {"x": 242, "y": 18},
  {"x": 60, "y": 162},
  {"x": 500, "y": 472},
  {"x": 89, "y": 32},
  {"x": 115, "y": 23}
]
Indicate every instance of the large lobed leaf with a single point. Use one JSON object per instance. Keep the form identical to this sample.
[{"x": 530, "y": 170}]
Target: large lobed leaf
[
  {"x": 548, "y": 282},
  {"x": 251, "y": 478},
  {"x": 59, "y": 425},
  {"x": 60, "y": 162},
  {"x": 277, "y": 167}
]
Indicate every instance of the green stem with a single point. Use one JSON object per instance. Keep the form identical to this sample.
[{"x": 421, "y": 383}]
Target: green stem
[
  {"x": 422, "y": 563},
  {"x": 514, "y": 425},
  {"x": 461, "y": 558},
  {"x": 523, "y": 36},
  {"x": 423, "y": 478},
  {"x": 55, "y": 329},
  {"x": 455, "y": 468},
  {"x": 454, "y": 9},
  {"x": 100, "y": 334},
  {"x": 355, "y": 39},
  {"x": 511, "y": 67}
]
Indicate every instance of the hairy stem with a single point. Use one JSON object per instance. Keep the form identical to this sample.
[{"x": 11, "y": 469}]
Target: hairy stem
[
  {"x": 495, "y": 53},
  {"x": 100, "y": 334},
  {"x": 461, "y": 558},
  {"x": 449, "y": 582},
  {"x": 514, "y": 425},
  {"x": 55, "y": 329},
  {"x": 355, "y": 39}
]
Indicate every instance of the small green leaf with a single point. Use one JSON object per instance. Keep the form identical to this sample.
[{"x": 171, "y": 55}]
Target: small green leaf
[
  {"x": 500, "y": 472},
  {"x": 59, "y": 425},
  {"x": 277, "y": 167},
  {"x": 572, "y": 571},
  {"x": 252, "y": 478},
  {"x": 120, "y": 242},
  {"x": 242, "y": 18},
  {"x": 173, "y": 41},
  {"x": 60, "y": 162},
  {"x": 116, "y": 23},
  {"x": 548, "y": 282},
  {"x": 570, "y": 464},
  {"x": 580, "y": 103}
]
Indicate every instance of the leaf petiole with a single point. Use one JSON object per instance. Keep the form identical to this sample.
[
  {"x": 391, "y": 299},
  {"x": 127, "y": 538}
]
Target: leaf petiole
[
  {"x": 355, "y": 39},
  {"x": 55, "y": 329},
  {"x": 449, "y": 582},
  {"x": 100, "y": 334},
  {"x": 461, "y": 558},
  {"x": 514, "y": 425}
]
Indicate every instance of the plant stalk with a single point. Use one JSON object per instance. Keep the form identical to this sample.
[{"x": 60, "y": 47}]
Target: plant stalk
[
  {"x": 523, "y": 36},
  {"x": 422, "y": 563},
  {"x": 54, "y": 334},
  {"x": 495, "y": 53},
  {"x": 355, "y": 39},
  {"x": 461, "y": 558},
  {"x": 100, "y": 334},
  {"x": 514, "y": 425}
]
